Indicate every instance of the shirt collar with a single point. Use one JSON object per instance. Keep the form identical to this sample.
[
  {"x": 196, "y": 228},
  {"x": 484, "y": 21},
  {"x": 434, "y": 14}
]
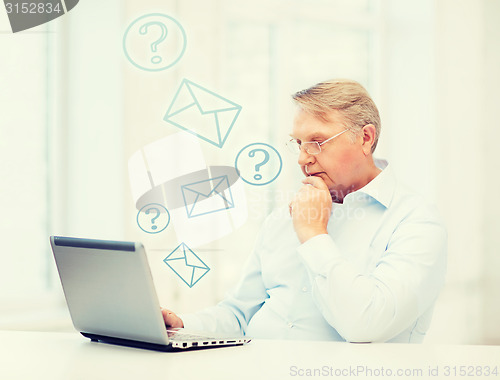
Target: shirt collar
[{"x": 381, "y": 188}]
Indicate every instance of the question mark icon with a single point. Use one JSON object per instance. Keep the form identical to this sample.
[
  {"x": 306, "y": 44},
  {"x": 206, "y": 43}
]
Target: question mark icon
[
  {"x": 154, "y": 42},
  {"x": 153, "y": 227},
  {"x": 261, "y": 172},
  {"x": 153, "y": 218},
  {"x": 258, "y": 176},
  {"x": 154, "y": 45}
]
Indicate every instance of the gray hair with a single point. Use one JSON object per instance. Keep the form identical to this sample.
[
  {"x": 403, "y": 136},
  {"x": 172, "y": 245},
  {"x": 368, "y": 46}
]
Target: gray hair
[{"x": 346, "y": 96}]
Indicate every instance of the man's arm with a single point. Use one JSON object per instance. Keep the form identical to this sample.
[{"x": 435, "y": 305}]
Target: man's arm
[
  {"x": 377, "y": 306},
  {"x": 404, "y": 283},
  {"x": 233, "y": 314}
]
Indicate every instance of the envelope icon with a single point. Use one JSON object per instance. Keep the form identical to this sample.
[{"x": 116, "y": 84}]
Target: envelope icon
[
  {"x": 186, "y": 264},
  {"x": 203, "y": 113},
  {"x": 207, "y": 196}
]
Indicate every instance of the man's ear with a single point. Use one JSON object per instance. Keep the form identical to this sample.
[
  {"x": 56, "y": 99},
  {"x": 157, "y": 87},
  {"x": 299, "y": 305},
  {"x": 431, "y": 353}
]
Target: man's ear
[{"x": 368, "y": 136}]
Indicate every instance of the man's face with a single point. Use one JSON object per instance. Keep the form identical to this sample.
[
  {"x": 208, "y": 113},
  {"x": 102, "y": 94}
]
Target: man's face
[{"x": 340, "y": 163}]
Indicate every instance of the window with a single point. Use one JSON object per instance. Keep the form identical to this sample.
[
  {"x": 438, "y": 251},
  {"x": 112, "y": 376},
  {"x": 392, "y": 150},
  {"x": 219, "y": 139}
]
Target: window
[{"x": 26, "y": 97}]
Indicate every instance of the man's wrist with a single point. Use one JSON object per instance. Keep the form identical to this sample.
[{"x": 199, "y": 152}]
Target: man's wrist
[{"x": 304, "y": 234}]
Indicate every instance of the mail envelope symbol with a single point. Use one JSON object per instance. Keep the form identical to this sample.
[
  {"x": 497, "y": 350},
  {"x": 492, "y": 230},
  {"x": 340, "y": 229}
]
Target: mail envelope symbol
[
  {"x": 203, "y": 113},
  {"x": 207, "y": 196},
  {"x": 186, "y": 264}
]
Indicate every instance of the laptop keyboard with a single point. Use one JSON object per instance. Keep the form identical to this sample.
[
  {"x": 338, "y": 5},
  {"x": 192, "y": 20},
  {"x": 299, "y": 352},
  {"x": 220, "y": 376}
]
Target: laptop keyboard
[{"x": 176, "y": 335}]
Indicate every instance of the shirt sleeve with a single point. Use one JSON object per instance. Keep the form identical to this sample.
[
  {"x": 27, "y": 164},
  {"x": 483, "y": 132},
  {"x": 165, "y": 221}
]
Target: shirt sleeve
[
  {"x": 376, "y": 306},
  {"x": 232, "y": 315}
]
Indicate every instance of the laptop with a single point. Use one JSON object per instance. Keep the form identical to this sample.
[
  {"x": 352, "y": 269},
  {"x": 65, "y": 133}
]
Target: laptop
[{"x": 111, "y": 297}]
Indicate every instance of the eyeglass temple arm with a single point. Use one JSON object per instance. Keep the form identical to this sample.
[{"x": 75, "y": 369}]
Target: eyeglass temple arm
[{"x": 338, "y": 134}]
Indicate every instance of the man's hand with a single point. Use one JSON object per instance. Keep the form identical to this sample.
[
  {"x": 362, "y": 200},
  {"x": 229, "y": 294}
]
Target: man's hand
[
  {"x": 311, "y": 208},
  {"x": 171, "y": 319}
]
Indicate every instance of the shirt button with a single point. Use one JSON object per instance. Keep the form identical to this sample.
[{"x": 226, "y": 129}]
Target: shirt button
[
  {"x": 304, "y": 289},
  {"x": 290, "y": 324}
]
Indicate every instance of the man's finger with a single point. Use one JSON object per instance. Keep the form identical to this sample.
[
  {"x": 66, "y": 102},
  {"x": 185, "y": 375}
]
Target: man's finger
[{"x": 317, "y": 182}]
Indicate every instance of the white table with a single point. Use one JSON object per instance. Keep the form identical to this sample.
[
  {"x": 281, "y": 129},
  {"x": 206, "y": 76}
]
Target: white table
[{"x": 69, "y": 356}]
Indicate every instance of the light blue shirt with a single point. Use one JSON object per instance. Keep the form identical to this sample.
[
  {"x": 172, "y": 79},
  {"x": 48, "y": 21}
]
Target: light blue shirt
[{"x": 373, "y": 278}]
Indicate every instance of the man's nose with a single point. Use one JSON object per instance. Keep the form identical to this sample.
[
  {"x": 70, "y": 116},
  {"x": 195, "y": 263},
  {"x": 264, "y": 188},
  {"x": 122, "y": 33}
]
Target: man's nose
[{"x": 305, "y": 158}]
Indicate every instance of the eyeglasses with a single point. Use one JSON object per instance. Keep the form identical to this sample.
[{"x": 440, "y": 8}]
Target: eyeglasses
[{"x": 311, "y": 147}]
